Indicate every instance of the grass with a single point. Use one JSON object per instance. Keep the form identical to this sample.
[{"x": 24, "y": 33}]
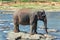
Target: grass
[{"x": 36, "y": 6}]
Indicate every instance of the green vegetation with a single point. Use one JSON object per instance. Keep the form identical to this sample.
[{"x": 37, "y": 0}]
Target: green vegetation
[
  {"x": 31, "y": 5},
  {"x": 45, "y": 7},
  {"x": 33, "y": 0}
]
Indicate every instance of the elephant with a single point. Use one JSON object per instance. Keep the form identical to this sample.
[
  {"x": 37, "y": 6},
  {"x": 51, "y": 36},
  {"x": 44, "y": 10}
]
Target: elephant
[{"x": 28, "y": 16}]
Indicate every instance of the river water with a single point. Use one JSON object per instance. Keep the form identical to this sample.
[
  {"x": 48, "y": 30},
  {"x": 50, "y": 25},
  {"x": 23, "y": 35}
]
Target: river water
[{"x": 6, "y": 25}]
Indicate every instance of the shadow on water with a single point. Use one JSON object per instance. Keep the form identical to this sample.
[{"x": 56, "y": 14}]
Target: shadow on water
[{"x": 53, "y": 23}]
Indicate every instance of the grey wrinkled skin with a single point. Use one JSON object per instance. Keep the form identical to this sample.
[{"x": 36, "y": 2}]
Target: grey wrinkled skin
[{"x": 29, "y": 17}]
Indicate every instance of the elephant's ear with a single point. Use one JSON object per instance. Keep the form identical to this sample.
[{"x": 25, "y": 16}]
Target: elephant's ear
[
  {"x": 43, "y": 13},
  {"x": 38, "y": 13}
]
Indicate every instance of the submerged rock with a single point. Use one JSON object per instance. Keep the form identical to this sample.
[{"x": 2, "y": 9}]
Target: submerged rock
[{"x": 27, "y": 36}]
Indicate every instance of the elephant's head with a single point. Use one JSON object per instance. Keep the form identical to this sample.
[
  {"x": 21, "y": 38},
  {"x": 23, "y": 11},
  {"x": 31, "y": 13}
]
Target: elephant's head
[{"x": 42, "y": 16}]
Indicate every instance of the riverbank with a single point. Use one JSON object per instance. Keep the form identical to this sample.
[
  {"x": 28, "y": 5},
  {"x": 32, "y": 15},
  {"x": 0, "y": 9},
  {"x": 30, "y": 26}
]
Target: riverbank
[{"x": 50, "y": 6}]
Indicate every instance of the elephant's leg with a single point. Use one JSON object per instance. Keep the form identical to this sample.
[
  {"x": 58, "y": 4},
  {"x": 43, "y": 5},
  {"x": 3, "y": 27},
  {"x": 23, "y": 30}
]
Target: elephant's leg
[
  {"x": 45, "y": 23},
  {"x": 31, "y": 29},
  {"x": 16, "y": 28},
  {"x": 31, "y": 24},
  {"x": 16, "y": 25},
  {"x": 35, "y": 28}
]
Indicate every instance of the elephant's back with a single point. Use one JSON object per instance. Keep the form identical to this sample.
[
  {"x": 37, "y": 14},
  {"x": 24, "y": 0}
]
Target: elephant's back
[{"x": 26, "y": 10}]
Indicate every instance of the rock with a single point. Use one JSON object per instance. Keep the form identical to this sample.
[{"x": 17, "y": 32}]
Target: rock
[
  {"x": 27, "y": 36},
  {"x": 49, "y": 36}
]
